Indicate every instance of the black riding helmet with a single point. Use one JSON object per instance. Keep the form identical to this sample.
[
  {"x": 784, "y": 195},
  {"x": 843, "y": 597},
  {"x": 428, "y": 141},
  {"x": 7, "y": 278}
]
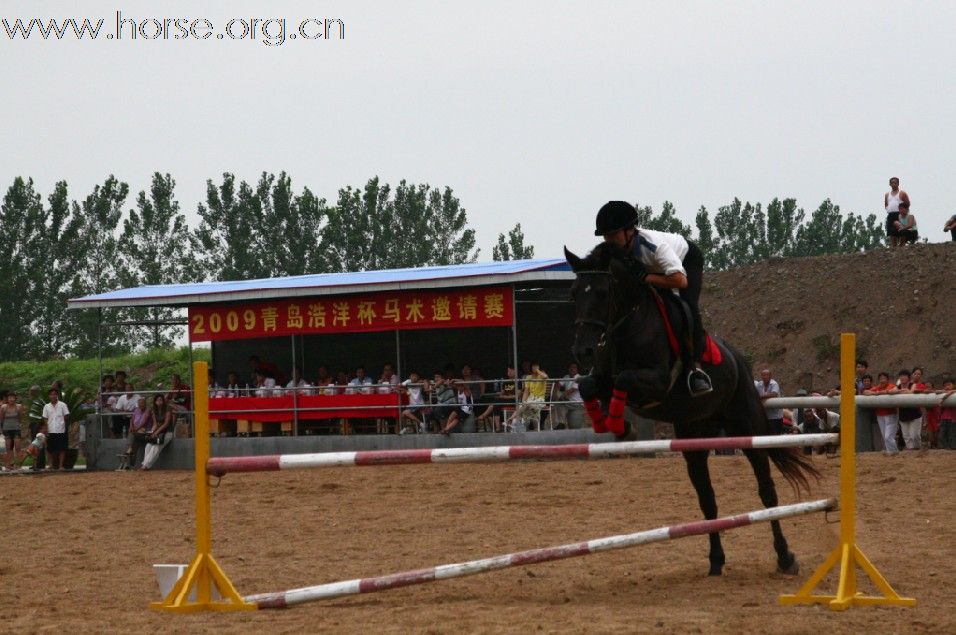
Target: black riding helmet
[{"x": 614, "y": 215}]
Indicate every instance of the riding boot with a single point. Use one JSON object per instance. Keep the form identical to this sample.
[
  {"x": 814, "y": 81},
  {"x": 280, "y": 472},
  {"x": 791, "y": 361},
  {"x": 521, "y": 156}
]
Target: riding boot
[{"x": 698, "y": 383}]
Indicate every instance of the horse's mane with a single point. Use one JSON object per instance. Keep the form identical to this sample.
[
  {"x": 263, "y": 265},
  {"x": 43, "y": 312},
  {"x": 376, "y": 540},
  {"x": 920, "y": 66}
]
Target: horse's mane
[{"x": 601, "y": 256}]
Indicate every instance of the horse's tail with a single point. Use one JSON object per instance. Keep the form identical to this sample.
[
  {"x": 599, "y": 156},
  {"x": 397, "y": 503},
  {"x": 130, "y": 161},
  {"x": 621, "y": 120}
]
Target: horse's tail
[{"x": 795, "y": 466}]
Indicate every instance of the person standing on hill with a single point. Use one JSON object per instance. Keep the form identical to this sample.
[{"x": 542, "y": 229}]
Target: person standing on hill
[{"x": 891, "y": 201}]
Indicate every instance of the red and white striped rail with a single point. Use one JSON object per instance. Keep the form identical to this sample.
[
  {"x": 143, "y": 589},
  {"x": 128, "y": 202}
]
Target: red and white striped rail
[
  {"x": 283, "y": 599},
  {"x": 267, "y": 463}
]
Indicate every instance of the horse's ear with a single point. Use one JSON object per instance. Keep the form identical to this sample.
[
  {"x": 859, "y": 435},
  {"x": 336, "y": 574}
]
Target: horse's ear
[{"x": 573, "y": 260}]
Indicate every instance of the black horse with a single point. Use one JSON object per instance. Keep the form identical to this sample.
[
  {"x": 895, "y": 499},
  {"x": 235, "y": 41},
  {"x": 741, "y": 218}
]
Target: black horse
[{"x": 620, "y": 333}]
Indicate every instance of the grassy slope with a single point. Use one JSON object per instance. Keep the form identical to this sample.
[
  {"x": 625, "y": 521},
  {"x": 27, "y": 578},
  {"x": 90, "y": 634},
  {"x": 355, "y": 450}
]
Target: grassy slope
[{"x": 146, "y": 370}]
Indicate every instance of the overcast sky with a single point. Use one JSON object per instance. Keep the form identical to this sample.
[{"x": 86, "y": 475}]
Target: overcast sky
[{"x": 533, "y": 112}]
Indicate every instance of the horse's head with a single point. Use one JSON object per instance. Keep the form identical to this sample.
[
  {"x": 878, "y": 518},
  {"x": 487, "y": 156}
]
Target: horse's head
[{"x": 599, "y": 299}]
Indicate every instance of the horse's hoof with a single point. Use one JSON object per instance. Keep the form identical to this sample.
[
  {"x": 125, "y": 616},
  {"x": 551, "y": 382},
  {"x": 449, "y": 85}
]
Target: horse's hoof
[
  {"x": 790, "y": 569},
  {"x": 715, "y": 570},
  {"x": 629, "y": 434}
]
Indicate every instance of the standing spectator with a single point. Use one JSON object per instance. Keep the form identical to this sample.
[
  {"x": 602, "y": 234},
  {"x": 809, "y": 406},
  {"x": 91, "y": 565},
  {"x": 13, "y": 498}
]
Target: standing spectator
[
  {"x": 947, "y": 418},
  {"x": 911, "y": 419},
  {"x": 477, "y": 388},
  {"x": 907, "y": 225},
  {"x": 891, "y": 201},
  {"x": 35, "y": 423},
  {"x": 932, "y": 419},
  {"x": 106, "y": 398},
  {"x": 887, "y": 418},
  {"x": 36, "y": 449},
  {"x": 950, "y": 226},
  {"x": 125, "y": 406},
  {"x": 160, "y": 426},
  {"x": 10, "y": 415},
  {"x": 54, "y": 416},
  {"x": 768, "y": 388},
  {"x": 867, "y": 431}
]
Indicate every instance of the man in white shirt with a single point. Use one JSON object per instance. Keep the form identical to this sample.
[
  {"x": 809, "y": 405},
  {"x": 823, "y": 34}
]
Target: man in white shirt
[
  {"x": 768, "y": 388},
  {"x": 571, "y": 414},
  {"x": 125, "y": 405},
  {"x": 54, "y": 416},
  {"x": 360, "y": 383},
  {"x": 415, "y": 387},
  {"x": 669, "y": 261}
]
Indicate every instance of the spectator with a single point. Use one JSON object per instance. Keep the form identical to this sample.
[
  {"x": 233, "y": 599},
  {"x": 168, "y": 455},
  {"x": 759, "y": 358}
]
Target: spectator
[
  {"x": 37, "y": 448},
  {"x": 160, "y": 426},
  {"x": 820, "y": 420},
  {"x": 444, "y": 399},
  {"x": 265, "y": 383},
  {"x": 477, "y": 389},
  {"x": 907, "y": 225},
  {"x": 341, "y": 381},
  {"x": 360, "y": 383},
  {"x": 768, "y": 388},
  {"x": 891, "y": 201},
  {"x": 10, "y": 415},
  {"x": 297, "y": 384},
  {"x": 532, "y": 399},
  {"x": 931, "y": 414},
  {"x": 861, "y": 367},
  {"x": 54, "y": 416},
  {"x": 911, "y": 419},
  {"x": 106, "y": 398},
  {"x": 324, "y": 381},
  {"x": 571, "y": 414},
  {"x": 125, "y": 406},
  {"x": 506, "y": 394},
  {"x": 415, "y": 413},
  {"x": 232, "y": 386},
  {"x": 140, "y": 426},
  {"x": 950, "y": 226},
  {"x": 268, "y": 369},
  {"x": 179, "y": 396},
  {"x": 947, "y": 417},
  {"x": 120, "y": 379},
  {"x": 388, "y": 380},
  {"x": 465, "y": 409},
  {"x": 887, "y": 418}
]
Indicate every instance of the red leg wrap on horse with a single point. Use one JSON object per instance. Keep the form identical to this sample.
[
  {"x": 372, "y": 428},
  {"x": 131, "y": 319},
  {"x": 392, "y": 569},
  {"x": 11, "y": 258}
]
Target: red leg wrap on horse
[
  {"x": 593, "y": 408},
  {"x": 615, "y": 412}
]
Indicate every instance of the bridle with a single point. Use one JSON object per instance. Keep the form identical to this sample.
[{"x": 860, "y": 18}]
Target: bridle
[{"x": 607, "y": 328}]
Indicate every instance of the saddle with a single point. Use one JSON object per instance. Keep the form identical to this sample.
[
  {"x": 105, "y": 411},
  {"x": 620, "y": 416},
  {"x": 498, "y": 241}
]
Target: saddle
[{"x": 674, "y": 311}]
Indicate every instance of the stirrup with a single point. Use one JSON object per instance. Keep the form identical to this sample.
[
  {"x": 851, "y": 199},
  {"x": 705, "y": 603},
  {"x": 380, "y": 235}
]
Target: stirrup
[{"x": 699, "y": 393}]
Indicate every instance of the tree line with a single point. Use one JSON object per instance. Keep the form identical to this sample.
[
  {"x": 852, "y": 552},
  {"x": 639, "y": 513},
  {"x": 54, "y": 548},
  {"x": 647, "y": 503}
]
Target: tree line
[{"x": 57, "y": 248}]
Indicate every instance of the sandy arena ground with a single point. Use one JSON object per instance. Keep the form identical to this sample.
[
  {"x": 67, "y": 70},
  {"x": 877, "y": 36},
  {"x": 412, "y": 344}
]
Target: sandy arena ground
[{"x": 86, "y": 543}]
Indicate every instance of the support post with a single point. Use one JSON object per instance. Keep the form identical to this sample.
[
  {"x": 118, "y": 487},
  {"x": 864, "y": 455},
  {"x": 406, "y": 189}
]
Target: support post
[
  {"x": 203, "y": 571},
  {"x": 847, "y": 555}
]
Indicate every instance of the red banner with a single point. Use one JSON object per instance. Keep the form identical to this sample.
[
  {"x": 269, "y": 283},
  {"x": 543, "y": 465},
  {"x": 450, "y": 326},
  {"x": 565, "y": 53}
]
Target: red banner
[{"x": 403, "y": 310}]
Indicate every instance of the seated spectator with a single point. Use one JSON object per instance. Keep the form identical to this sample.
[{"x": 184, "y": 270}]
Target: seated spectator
[
  {"x": 388, "y": 380},
  {"x": 532, "y": 400},
  {"x": 571, "y": 415},
  {"x": 106, "y": 399},
  {"x": 360, "y": 383},
  {"x": 341, "y": 382},
  {"x": 415, "y": 413},
  {"x": 297, "y": 384},
  {"x": 124, "y": 408},
  {"x": 265, "y": 384},
  {"x": 886, "y": 418},
  {"x": 233, "y": 389},
  {"x": 950, "y": 226},
  {"x": 506, "y": 395},
  {"x": 324, "y": 382},
  {"x": 477, "y": 388},
  {"x": 160, "y": 431},
  {"x": 906, "y": 225},
  {"x": 268, "y": 369},
  {"x": 444, "y": 398},
  {"x": 140, "y": 427},
  {"x": 816, "y": 420},
  {"x": 179, "y": 396},
  {"x": 465, "y": 409},
  {"x": 910, "y": 418}
]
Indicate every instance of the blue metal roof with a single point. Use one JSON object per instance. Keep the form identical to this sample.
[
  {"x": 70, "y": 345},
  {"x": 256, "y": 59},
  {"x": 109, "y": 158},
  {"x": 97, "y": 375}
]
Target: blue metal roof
[{"x": 476, "y": 274}]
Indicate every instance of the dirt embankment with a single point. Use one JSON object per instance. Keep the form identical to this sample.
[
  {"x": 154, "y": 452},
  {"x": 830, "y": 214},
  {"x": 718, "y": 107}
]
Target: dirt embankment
[{"x": 789, "y": 313}]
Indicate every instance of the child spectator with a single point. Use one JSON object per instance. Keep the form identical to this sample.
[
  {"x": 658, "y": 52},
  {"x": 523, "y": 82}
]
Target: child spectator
[
  {"x": 887, "y": 418},
  {"x": 36, "y": 448},
  {"x": 911, "y": 419},
  {"x": 54, "y": 415},
  {"x": 415, "y": 413}
]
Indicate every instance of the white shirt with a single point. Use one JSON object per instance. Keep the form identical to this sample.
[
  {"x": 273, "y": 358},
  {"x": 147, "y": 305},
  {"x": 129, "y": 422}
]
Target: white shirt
[
  {"x": 126, "y": 403},
  {"x": 466, "y": 401},
  {"x": 415, "y": 397},
  {"x": 772, "y": 387},
  {"x": 390, "y": 385},
  {"x": 355, "y": 383},
  {"x": 570, "y": 388},
  {"x": 660, "y": 252},
  {"x": 56, "y": 417},
  {"x": 893, "y": 201}
]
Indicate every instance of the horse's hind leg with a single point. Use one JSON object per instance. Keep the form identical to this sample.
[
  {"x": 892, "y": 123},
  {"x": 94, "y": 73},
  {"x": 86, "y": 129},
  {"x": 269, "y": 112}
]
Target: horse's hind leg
[
  {"x": 700, "y": 478},
  {"x": 786, "y": 561}
]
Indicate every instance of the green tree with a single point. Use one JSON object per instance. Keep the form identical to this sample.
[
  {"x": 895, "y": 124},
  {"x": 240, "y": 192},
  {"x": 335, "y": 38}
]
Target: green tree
[
  {"x": 22, "y": 218},
  {"x": 783, "y": 219},
  {"x": 156, "y": 248},
  {"x": 512, "y": 247},
  {"x": 705, "y": 236},
  {"x": 822, "y": 234},
  {"x": 666, "y": 221}
]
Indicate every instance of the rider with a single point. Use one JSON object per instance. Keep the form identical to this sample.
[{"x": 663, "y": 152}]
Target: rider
[{"x": 669, "y": 262}]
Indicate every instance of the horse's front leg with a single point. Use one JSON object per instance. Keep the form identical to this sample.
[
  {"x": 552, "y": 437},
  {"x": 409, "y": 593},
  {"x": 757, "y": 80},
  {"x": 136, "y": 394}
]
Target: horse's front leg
[
  {"x": 624, "y": 384},
  {"x": 700, "y": 478}
]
